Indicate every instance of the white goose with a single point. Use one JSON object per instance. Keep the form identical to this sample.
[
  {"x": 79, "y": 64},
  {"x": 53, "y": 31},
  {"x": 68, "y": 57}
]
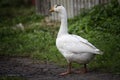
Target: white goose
[{"x": 74, "y": 48}]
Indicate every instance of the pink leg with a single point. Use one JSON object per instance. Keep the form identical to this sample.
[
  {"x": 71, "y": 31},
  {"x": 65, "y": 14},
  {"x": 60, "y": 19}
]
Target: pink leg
[
  {"x": 68, "y": 70},
  {"x": 84, "y": 70}
]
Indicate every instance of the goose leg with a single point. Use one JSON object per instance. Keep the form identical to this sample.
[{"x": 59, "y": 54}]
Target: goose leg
[
  {"x": 68, "y": 70},
  {"x": 84, "y": 70}
]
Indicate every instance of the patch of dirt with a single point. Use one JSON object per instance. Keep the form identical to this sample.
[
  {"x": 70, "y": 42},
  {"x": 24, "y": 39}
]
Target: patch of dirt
[{"x": 36, "y": 70}]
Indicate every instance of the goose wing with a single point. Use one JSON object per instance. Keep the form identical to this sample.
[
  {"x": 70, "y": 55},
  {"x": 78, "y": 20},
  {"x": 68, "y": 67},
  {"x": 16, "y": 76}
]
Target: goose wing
[{"x": 77, "y": 44}]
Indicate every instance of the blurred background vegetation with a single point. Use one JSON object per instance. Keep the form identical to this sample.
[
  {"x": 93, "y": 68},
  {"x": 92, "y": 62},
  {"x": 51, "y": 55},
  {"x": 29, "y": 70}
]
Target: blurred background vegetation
[{"x": 25, "y": 34}]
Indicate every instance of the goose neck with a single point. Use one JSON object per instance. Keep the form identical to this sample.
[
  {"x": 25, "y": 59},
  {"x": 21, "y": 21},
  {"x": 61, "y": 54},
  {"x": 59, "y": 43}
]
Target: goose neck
[{"x": 63, "y": 27}]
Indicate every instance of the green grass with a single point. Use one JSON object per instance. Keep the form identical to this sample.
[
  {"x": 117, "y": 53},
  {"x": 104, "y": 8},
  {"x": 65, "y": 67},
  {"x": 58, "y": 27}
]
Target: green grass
[
  {"x": 13, "y": 39},
  {"x": 36, "y": 41},
  {"x": 100, "y": 25},
  {"x": 11, "y": 78}
]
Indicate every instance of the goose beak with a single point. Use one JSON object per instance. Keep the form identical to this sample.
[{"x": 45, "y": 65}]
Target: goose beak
[{"x": 51, "y": 10}]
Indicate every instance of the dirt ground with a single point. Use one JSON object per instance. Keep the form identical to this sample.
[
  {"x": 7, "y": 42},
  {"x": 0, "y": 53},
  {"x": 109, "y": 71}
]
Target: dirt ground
[{"x": 37, "y": 70}]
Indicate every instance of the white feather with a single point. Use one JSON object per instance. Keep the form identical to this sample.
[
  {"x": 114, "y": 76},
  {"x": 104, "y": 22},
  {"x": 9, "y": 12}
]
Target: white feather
[{"x": 76, "y": 44}]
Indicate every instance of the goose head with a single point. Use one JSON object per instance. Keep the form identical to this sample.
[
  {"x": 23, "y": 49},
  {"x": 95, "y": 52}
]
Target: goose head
[
  {"x": 57, "y": 8},
  {"x": 60, "y": 10}
]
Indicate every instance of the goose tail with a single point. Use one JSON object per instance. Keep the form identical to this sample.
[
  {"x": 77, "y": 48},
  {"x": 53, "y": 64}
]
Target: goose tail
[{"x": 97, "y": 51}]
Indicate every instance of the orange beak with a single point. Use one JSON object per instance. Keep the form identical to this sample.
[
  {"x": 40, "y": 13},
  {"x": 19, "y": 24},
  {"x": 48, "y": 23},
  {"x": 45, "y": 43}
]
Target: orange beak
[{"x": 52, "y": 9}]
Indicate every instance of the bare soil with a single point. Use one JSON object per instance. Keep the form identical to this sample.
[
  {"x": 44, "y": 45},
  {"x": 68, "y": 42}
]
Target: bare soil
[{"x": 38, "y": 70}]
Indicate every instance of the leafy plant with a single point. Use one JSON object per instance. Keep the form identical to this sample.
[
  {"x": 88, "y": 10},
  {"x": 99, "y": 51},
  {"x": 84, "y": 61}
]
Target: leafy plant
[{"x": 100, "y": 26}]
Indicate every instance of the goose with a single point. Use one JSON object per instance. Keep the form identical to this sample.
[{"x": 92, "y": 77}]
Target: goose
[{"x": 73, "y": 47}]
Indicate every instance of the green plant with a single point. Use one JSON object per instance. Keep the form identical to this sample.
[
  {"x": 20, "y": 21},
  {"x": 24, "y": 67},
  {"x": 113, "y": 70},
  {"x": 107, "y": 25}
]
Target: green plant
[{"x": 100, "y": 26}]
